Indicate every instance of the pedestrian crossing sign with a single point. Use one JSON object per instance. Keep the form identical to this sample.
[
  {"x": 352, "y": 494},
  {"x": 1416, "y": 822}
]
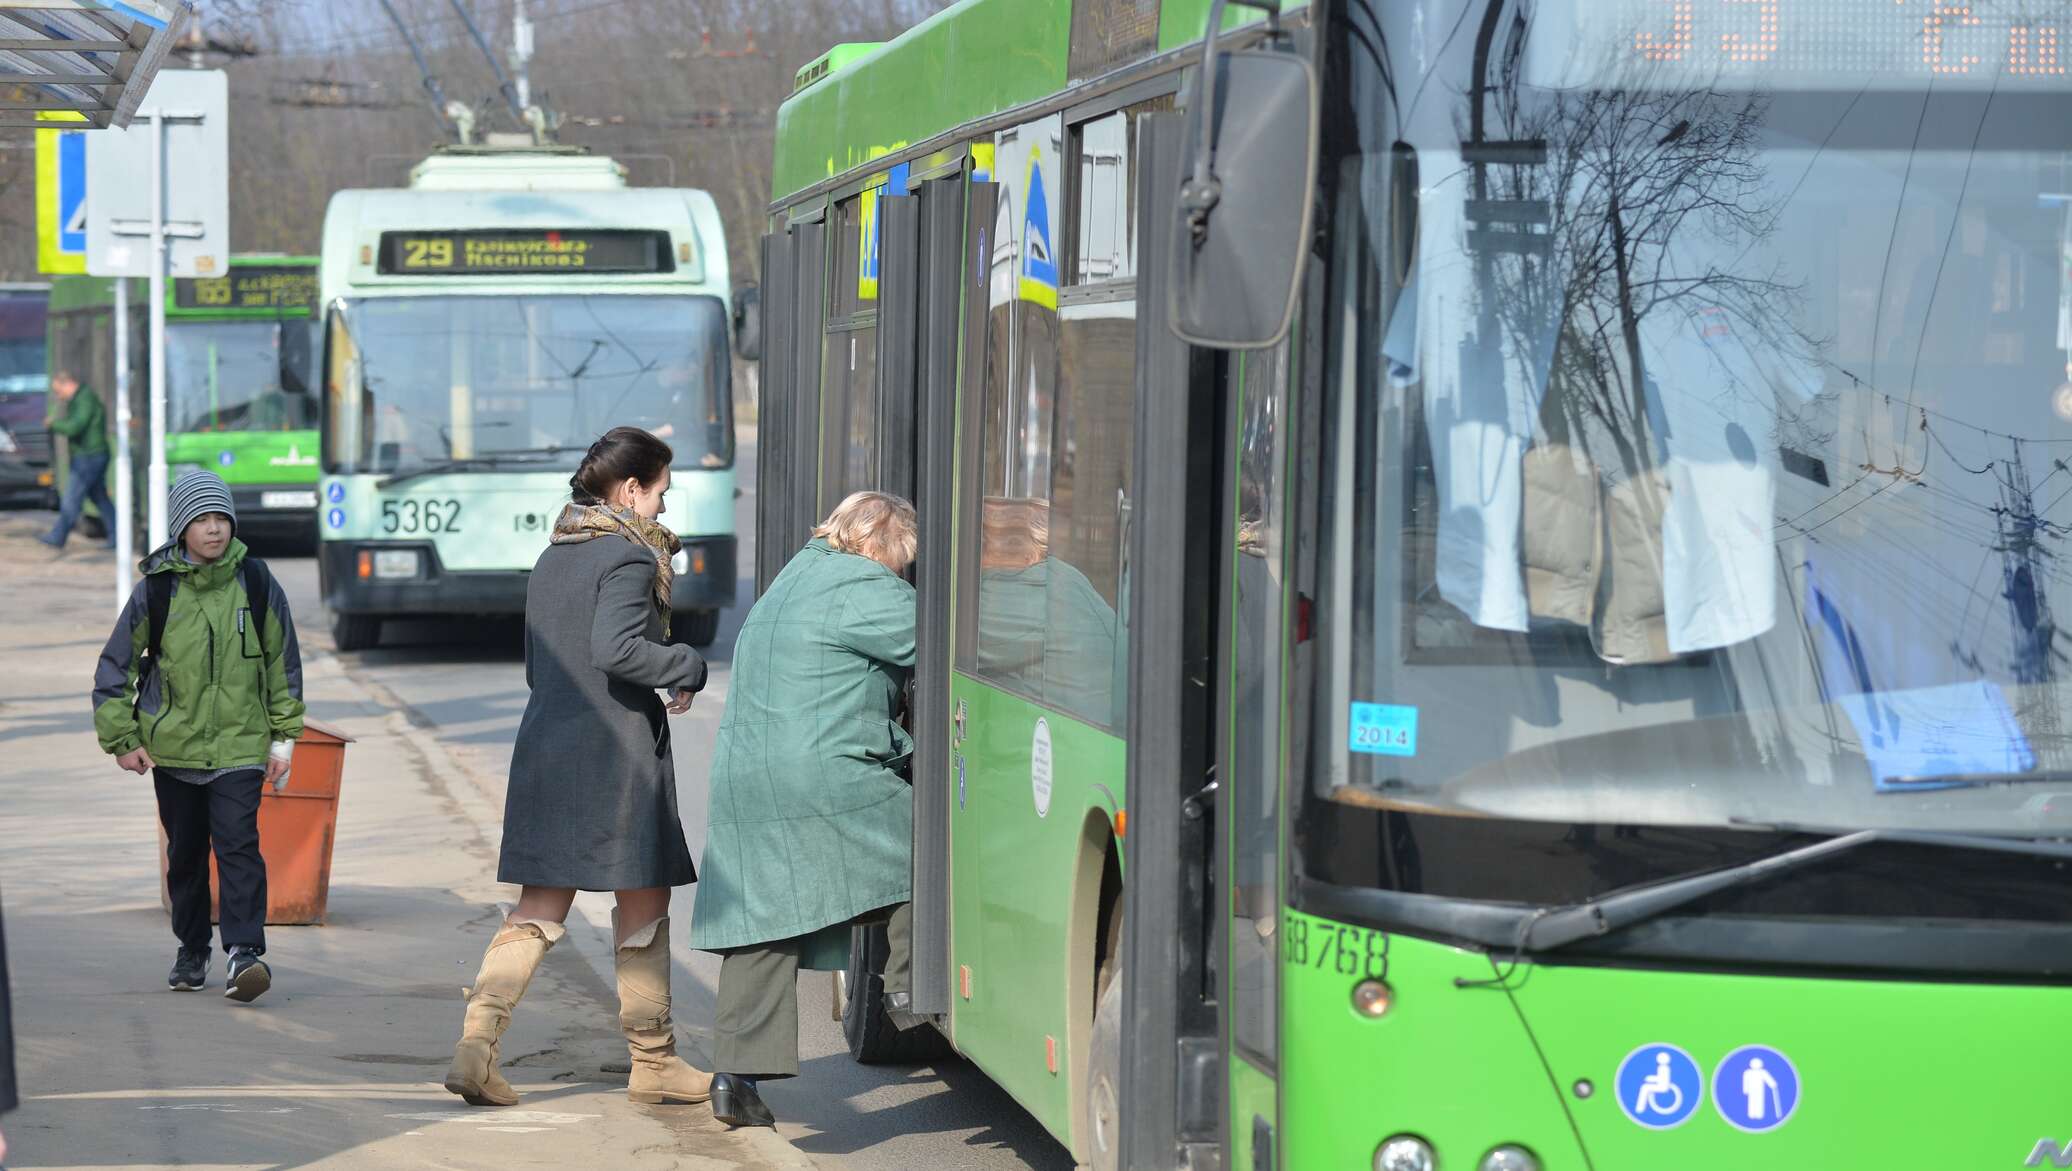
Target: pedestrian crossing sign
[{"x": 61, "y": 196}]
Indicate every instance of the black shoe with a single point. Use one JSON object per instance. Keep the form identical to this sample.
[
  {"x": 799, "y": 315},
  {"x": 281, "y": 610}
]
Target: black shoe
[
  {"x": 249, "y": 977},
  {"x": 190, "y": 970},
  {"x": 735, "y": 1102}
]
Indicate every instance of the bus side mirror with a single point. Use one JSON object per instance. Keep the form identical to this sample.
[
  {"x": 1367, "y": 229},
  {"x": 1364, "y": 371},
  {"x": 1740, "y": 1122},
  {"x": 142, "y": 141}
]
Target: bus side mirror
[
  {"x": 1242, "y": 233},
  {"x": 748, "y": 323}
]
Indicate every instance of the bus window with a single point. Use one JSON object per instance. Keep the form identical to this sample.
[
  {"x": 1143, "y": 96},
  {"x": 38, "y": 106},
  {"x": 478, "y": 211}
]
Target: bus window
[
  {"x": 1057, "y": 441},
  {"x": 227, "y": 376}
]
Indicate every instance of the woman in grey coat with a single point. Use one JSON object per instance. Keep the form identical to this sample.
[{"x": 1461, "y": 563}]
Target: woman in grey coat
[{"x": 592, "y": 798}]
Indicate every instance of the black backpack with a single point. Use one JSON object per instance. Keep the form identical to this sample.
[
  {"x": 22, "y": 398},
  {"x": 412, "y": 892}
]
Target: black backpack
[{"x": 158, "y": 602}]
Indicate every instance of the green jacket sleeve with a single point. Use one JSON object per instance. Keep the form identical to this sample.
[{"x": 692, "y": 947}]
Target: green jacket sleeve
[
  {"x": 82, "y": 415},
  {"x": 284, "y": 706},
  {"x": 879, "y": 622},
  {"x": 115, "y": 680}
]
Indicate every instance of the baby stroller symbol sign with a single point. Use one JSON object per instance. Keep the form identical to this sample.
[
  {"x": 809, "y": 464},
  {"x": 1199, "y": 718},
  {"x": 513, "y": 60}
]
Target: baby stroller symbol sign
[{"x": 1660, "y": 1086}]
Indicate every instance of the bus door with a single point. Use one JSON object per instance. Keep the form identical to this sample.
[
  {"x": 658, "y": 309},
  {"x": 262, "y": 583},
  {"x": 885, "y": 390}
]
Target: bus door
[
  {"x": 1172, "y": 1073},
  {"x": 923, "y": 298},
  {"x": 787, "y": 475}
]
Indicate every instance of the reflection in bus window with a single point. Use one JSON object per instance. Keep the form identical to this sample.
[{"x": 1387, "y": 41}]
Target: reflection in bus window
[
  {"x": 1689, "y": 465},
  {"x": 1055, "y": 474}
]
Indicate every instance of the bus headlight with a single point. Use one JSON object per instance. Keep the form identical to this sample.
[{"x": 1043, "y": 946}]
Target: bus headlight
[
  {"x": 681, "y": 563},
  {"x": 1405, "y": 1152},
  {"x": 1509, "y": 1157}
]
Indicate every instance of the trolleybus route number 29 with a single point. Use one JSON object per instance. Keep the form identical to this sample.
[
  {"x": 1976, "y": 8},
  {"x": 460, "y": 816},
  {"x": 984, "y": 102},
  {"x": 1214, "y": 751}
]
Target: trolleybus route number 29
[
  {"x": 411, "y": 515},
  {"x": 1348, "y": 950}
]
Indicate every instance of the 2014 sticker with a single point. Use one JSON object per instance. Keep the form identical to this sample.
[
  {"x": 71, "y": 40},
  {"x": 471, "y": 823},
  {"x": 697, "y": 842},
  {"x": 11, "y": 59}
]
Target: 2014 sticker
[{"x": 1384, "y": 729}]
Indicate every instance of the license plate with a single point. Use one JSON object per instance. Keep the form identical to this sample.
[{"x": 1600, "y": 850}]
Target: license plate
[
  {"x": 395, "y": 563},
  {"x": 287, "y": 500}
]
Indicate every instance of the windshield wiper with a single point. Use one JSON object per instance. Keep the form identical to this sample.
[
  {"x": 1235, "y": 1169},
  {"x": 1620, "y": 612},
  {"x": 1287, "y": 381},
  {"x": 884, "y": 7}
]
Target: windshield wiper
[
  {"x": 488, "y": 459},
  {"x": 1942, "y": 780},
  {"x": 1562, "y": 926}
]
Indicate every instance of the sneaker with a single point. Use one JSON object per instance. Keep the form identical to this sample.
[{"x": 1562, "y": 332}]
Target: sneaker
[
  {"x": 249, "y": 976},
  {"x": 190, "y": 970}
]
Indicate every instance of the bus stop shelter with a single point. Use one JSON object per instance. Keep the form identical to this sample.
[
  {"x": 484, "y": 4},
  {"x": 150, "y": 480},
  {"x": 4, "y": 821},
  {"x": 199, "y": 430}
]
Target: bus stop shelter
[{"x": 90, "y": 58}]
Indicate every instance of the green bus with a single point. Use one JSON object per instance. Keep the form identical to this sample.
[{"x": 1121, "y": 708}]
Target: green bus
[
  {"x": 1486, "y": 567},
  {"x": 483, "y": 326},
  {"x": 240, "y": 372}
]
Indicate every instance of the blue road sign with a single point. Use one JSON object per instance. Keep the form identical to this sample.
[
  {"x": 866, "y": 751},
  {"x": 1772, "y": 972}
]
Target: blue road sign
[
  {"x": 72, "y": 192},
  {"x": 1660, "y": 1086},
  {"x": 1756, "y": 1088}
]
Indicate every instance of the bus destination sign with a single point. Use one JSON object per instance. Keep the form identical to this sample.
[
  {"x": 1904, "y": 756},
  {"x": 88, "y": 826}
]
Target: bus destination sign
[
  {"x": 524, "y": 252},
  {"x": 250, "y": 287},
  {"x": 1804, "y": 44}
]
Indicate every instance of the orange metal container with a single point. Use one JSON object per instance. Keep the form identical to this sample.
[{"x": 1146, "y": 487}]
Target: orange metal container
[{"x": 296, "y": 827}]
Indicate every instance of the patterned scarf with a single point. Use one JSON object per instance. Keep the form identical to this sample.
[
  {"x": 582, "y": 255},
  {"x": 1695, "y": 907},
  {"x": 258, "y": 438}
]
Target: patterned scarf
[{"x": 586, "y": 522}]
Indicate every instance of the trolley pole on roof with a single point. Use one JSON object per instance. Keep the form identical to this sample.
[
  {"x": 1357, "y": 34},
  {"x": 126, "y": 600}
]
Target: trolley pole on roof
[{"x": 521, "y": 52}]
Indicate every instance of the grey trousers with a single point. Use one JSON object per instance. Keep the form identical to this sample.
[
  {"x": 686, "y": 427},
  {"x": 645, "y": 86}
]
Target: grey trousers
[{"x": 755, "y": 1026}]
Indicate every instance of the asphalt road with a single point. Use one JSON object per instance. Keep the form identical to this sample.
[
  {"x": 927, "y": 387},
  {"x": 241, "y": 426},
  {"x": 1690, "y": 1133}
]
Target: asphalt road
[{"x": 465, "y": 682}]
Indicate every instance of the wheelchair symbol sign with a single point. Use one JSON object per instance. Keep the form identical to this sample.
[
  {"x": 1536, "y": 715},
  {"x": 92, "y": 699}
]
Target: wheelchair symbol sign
[{"x": 1660, "y": 1086}]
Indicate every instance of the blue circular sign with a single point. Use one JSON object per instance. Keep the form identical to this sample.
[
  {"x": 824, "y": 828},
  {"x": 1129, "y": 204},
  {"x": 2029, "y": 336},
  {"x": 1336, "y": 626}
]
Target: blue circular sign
[
  {"x": 336, "y": 517},
  {"x": 1756, "y": 1088},
  {"x": 1660, "y": 1086},
  {"x": 226, "y": 458},
  {"x": 335, "y": 493}
]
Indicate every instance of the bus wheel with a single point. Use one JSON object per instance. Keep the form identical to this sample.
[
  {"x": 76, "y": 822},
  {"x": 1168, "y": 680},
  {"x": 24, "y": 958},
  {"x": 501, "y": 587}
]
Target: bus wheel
[
  {"x": 696, "y": 628},
  {"x": 873, "y": 1037},
  {"x": 1101, "y": 1117},
  {"x": 355, "y": 632}
]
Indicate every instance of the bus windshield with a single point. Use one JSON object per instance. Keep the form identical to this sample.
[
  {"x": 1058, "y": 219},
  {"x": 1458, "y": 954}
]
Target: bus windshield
[
  {"x": 419, "y": 382},
  {"x": 240, "y": 375},
  {"x": 1701, "y": 419}
]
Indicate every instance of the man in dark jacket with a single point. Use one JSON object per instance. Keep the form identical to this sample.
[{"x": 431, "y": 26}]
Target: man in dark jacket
[{"x": 76, "y": 413}]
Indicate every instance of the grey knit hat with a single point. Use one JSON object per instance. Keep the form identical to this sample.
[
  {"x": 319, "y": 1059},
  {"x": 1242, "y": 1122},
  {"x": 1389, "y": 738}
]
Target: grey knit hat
[{"x": 194, "y": 495}]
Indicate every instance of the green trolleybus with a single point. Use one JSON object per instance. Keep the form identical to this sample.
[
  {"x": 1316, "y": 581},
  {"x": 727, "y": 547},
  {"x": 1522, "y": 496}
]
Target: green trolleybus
[
  {"x": 1487, "y": 567},
  {"x": 483, "y": 326},
  {"x": 241, "y": 356},
  {"x": 240, "y": 378}
]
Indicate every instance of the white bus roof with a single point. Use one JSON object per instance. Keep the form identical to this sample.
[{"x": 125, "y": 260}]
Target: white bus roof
[{"x": 547, "y": 190}]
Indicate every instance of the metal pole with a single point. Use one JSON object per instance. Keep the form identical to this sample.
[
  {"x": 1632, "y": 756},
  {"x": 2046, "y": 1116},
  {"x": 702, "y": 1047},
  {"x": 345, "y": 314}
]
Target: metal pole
[
  {"x": 125, "y": 517},
  {"x": 521, "y": 51},
  {"x": 156, "y": 481}
]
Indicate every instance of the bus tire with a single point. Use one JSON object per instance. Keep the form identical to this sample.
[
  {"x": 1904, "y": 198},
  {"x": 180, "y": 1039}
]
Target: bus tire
[
  {"x": 355, "y": 632},
  {"x": 872, "y": 1036},
  {"x": 696, "y": 628},
  {"x": 1100, "y": 1116}
]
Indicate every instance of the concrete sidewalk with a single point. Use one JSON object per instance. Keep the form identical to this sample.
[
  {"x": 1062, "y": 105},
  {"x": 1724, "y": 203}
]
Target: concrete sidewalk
[{"x": 339, "y": 1065}]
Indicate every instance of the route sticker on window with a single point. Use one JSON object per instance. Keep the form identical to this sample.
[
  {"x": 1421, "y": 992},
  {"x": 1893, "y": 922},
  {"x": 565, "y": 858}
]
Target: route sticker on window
[{"x": 1385, "y": 729}]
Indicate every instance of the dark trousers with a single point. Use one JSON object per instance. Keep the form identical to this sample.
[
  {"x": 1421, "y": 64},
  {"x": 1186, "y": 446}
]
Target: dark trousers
[
  {"x": 755, "y": 1025},
  {"x": 224, "y": 812},
  {"x": 88, "y": 481}
]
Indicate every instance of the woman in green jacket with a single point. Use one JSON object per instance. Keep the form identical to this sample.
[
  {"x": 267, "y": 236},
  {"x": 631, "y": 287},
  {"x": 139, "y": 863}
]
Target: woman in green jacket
[
  {"x": 810, "y": 825},
  {"x": 200, "y": 685}
]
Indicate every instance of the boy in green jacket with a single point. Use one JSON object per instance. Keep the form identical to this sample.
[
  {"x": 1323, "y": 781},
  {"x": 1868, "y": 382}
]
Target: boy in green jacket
[
  {"x": 201, "y": 684},
  {"x": 76, "y": 413}
]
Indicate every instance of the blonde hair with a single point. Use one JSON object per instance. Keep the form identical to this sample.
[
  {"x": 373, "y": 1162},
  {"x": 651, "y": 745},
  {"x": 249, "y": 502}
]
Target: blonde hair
[{"x": 877, "y": 525}]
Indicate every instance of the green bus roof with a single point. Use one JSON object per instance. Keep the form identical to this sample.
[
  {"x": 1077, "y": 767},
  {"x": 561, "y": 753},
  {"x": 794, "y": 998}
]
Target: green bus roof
[{"x": 858, "y": 102}]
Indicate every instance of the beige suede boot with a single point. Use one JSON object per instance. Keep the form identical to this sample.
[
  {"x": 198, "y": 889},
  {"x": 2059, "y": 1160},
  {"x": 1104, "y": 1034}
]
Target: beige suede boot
[
  {"x": 507, "y": 967},
  {"x": 658, "y": 1074}
]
